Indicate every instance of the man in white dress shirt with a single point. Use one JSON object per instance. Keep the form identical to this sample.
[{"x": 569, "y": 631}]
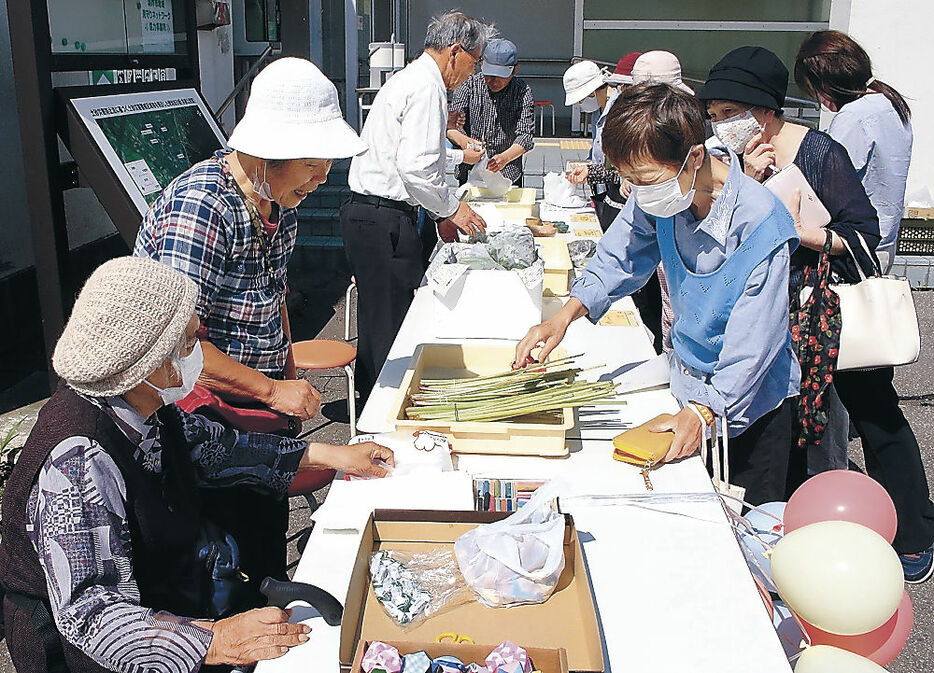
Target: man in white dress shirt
[{"x": 403, "y": 169}]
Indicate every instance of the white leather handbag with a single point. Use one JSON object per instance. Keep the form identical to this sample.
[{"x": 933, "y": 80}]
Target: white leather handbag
[{"x": 880, "y": 326}]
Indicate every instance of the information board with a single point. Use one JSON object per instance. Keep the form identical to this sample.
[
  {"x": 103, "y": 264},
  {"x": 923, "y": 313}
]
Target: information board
[{"x": 149, "y": 138}]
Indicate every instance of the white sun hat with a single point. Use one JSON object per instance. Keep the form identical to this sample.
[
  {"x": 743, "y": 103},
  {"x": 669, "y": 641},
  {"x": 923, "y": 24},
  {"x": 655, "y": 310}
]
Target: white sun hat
[
  {"x": 293, "y": 113},
  {"x": 660, "y": 67},
  {"x": 581, "y": 80}
]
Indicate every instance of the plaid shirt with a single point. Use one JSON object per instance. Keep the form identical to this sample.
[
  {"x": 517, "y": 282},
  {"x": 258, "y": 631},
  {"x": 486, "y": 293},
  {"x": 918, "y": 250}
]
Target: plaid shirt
[
  {"x": 500, "y": 119},
  {"x": 201, "y": 226}
]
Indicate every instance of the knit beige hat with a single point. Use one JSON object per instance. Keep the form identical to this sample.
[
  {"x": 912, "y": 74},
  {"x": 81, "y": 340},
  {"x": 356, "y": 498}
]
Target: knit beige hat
[{"x": 127, "y": 320}]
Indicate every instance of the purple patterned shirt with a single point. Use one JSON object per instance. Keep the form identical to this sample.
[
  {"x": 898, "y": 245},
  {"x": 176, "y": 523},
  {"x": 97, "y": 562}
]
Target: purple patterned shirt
[{"x": 78, "y": 526}]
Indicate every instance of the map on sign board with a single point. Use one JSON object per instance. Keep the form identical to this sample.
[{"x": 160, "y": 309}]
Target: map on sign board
[{"x": 149, "y": 138}]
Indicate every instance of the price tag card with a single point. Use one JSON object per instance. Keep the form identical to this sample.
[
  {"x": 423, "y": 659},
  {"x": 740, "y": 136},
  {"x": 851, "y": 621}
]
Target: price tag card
[
  {"x": 620, "y": 319},
  {"x": 588, "y": 233},
  {"x": 584, "y": 217}
]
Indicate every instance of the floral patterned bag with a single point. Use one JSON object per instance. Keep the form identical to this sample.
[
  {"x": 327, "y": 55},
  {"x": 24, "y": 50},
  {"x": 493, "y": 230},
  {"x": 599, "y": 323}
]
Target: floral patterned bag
[{"x": 815, "y": 335}]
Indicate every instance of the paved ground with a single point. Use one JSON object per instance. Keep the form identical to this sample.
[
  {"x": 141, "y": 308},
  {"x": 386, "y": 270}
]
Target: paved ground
[{"x": 319, "y": 278}]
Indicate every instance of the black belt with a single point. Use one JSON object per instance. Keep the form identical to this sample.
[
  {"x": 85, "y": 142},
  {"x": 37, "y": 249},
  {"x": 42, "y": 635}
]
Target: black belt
[{"x": 380, "y": 202}]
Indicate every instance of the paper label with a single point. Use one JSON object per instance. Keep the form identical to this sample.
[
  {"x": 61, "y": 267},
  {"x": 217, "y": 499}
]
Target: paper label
[
  {"x": 620, "y": 319},
  {"x": 143, "y": 177},
  {"x": 584, "y": 217},
  {"x": 588, "y": 233}
]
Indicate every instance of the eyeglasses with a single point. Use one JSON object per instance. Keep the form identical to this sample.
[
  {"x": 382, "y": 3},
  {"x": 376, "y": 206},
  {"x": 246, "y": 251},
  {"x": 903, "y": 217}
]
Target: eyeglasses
[{"x": 475, "y": 61}]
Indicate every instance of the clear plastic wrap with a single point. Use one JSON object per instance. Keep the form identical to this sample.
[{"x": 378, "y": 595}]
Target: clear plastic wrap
[
  {"x": 581, "y": 251},
  {"x": 477, "y": 258},
  {"x": 414, "y": 586},
  {"x": 513, "y": 248}
]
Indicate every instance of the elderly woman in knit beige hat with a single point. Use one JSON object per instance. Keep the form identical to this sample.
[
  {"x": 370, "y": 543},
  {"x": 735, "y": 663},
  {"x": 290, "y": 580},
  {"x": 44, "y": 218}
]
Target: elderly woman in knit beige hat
[{"x": 109, "y": 558}]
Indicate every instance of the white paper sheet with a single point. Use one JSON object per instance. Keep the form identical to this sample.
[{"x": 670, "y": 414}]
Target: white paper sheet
[{"x": 349, "y": 503}]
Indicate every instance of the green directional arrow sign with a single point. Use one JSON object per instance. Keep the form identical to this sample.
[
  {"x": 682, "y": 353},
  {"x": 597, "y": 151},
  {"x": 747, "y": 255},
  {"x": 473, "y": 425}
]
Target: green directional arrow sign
[{"x": 102, "y": 76}]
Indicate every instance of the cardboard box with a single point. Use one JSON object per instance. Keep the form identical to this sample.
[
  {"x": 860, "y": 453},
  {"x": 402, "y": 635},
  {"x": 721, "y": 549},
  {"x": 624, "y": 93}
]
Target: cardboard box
[
  {"x": 558, "y": 267},
  {"x": 545, "y": 660},
  {"x": 487, "y": 305},
  {"x": 542, "y": 435},
  {"x": 567, "y": 619}
]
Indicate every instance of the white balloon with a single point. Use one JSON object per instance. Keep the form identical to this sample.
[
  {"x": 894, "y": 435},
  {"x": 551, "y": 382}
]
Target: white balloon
[
  {"x": 839, "y": 576},
  {"x": 827, "y": 659}
]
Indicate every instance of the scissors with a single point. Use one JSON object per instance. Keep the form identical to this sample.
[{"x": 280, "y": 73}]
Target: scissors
[{"x": 454, "y": 638}]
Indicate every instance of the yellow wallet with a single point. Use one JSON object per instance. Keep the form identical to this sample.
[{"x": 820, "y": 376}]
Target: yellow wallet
[{"x": 639, "y": 446}]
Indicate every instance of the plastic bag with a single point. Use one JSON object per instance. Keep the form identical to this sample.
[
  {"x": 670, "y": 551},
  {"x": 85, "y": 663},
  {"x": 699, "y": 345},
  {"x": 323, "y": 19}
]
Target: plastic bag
[
  {"x": 581, "y": 251},
  {"x": 414, "y": 586},
  {"x": 513, "y": 248},
  {"x": 479, "y": 176},
  {"x": 559, "y": 192},
  {"x": 516, "y": 561}
]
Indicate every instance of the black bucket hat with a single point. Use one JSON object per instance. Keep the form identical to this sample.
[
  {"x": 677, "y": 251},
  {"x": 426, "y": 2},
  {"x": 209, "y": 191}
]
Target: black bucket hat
[{"x": 751, "y": 75}]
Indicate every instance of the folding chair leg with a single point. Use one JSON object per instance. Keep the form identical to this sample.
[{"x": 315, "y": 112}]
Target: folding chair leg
[
  {"x": 351, "y": 402},
  {"x": 350, "y": 289}
]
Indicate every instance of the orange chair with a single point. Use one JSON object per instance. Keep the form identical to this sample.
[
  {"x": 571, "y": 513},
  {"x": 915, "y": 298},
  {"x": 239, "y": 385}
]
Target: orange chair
[
  {"x": 315, "y": 354},
  {"x": 539, "y": 108}
]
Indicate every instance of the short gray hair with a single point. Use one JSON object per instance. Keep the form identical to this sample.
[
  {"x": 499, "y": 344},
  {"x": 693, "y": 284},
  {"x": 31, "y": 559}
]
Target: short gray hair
[{"x": 455, "y": 27}]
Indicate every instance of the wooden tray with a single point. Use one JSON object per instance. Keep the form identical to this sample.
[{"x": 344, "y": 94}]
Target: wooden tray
[{"x": 539, "y": 437}]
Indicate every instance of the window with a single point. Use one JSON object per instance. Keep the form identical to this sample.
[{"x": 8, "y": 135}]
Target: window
[{"x": 117, "y": 26}]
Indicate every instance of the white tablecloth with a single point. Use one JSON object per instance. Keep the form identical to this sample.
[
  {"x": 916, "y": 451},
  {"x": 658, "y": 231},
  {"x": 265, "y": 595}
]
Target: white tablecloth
[{"x": 672, "y": 589}]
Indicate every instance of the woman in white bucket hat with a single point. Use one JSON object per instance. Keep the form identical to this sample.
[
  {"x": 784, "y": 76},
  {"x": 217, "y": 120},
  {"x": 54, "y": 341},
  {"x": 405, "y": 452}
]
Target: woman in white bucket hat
[{"x": 229, "y": 223}]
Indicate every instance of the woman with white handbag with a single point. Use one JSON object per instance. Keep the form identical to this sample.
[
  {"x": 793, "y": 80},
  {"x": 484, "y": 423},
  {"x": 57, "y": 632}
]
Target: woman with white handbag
[
  {"x": 839, "y": 248},
  {"x": 873, "y": 123}
]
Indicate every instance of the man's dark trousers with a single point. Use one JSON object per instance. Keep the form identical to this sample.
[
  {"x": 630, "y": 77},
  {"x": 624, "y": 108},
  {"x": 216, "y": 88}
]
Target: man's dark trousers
[{"x": 384, "y": 251}]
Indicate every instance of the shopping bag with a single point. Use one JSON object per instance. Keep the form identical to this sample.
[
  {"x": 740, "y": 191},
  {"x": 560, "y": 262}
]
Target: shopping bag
[
  {"x": 516, "y": 561},
  {"x": 880, "y": 325}
]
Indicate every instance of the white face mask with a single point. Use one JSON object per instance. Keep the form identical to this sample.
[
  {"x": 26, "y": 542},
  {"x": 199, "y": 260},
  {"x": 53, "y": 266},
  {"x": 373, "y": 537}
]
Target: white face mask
[
  {"x": 735, "y": 132},
  {"x": 590, "y": 105},
  {"x": 190, "y": 367},
  {"x": 665, "y": 199},
  {"x": 260, "y": 187}
]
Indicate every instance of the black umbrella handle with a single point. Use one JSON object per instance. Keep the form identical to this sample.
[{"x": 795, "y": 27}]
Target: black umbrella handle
[{"x": 281, "y": 594}]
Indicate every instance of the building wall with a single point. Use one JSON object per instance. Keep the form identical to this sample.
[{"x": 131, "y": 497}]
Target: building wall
[
  {"x": 898, "y": 37},
  {"x": 543, "y": 31},
  {"x": 215, "y": 59}
]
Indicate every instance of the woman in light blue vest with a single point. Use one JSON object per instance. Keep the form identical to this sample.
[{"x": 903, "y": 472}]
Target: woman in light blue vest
[{"x": 725, "y": 243}]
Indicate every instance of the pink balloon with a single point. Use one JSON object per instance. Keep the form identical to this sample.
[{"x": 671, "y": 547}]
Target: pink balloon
[
  {"x": 880, "y": 645},
  {"x": 905, "y": 618},
  {"x": 842, "y": 495}
]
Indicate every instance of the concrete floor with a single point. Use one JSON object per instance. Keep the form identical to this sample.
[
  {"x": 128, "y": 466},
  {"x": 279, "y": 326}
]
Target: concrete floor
[{"x": 318, "y": 280}]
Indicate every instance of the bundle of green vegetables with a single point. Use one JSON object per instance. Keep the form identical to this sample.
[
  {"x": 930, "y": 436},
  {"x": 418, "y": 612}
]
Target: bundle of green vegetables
[{"x": 538, "y": 389}]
